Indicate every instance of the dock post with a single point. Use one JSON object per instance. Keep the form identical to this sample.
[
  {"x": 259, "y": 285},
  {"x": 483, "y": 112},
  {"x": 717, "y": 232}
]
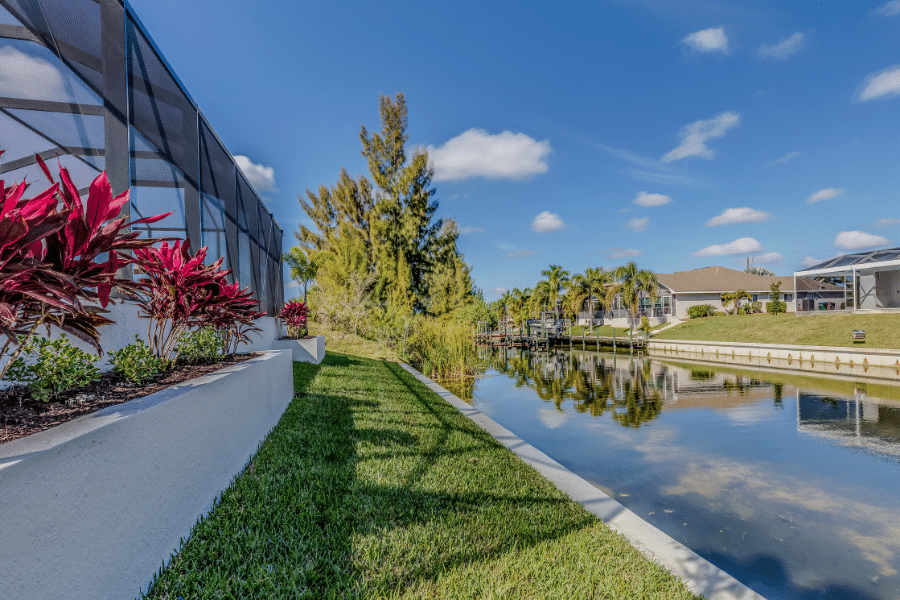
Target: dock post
[{"x": 614, "y": 339}]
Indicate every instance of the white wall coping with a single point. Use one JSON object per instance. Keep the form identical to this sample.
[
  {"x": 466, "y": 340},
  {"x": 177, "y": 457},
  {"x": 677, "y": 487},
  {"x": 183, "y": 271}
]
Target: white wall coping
[
  {"x": 93, "y": 507},
  {"x": 787, "y": 347},
  {"x": 700, "y": 575}
]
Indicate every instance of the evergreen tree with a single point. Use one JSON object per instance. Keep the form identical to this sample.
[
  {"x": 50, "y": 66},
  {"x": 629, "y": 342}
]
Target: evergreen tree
[{"x": 403, "y": 235}]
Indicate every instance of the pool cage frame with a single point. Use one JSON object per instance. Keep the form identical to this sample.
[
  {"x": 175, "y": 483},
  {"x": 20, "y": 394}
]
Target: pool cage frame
[{"x": 92, "y": 90}]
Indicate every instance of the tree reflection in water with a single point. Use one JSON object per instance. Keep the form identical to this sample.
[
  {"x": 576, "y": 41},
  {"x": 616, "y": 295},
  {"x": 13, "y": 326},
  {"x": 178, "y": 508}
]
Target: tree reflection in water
[{"x": 623, "y": 386}]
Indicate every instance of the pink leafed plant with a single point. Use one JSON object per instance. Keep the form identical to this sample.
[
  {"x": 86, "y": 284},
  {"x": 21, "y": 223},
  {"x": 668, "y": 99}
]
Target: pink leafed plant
[
  {"x": 294, "y": 315},
  {"x": 48, "y": 265},
  {"x": 231, "y": 311}
]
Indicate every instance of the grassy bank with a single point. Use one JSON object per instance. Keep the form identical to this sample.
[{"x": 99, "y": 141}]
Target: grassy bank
[
  {"x": 371, "y": 486},
  {"x": 882, "y": 331},
  {"x": 347, "y": 343}
]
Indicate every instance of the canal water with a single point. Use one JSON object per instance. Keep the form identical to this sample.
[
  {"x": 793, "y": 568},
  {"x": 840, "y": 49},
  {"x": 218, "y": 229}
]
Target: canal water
[{"x": 790, "y": 483}]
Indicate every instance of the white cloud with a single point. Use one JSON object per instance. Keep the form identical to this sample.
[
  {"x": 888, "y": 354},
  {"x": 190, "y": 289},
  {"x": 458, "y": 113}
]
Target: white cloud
[
  {"x": 858, "y": 240},
  {"x": 826, "y": 194},
  {"x": 261, "y": 178},
  {"x": 809, "y": 261},
  {"x": 520, "y": 253},
  {"x": 782, "y": 49},
  {"x": 708, "y": 40},
  {"x": 885, "y": 223},
  {"x": 638, "y": 225},
  {"x": 547, "y": 222},
  {"x": 624, "y": 210},
  {"x": 477, "y": 153},
  {"x": 466, "y": 230},
  {"x": 293, "y": 284},
  {"x": 617, "y": 253},
  {"x": 884, "y": 84},
  {"x": 499, "y": 291},
  {"x": 21, "y": 75},
  {"x": 786, "y": 158},
  {"x": 741, "y": 246},
  {"x": 695, "y": 136},
  {"x": 645, "y": 199},
  {"x": 769, "y": 258},
  {"x": 732, "y": 216},
  {"x": 890, "y": 9}
]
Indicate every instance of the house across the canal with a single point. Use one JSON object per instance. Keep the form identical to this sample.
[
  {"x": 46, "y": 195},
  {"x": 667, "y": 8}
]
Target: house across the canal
[{"x": 681, "y": 290}]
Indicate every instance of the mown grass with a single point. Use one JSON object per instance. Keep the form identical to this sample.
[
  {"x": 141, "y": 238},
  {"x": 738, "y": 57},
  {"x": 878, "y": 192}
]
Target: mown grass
[
  {"x": 371, "y": 486},
  {"x": 882, "y": 330},
  {"x": 347, "y": 343},
  {"x": 602, "y": 330}
]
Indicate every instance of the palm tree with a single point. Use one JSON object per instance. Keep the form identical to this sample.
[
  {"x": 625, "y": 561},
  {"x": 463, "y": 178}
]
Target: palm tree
[
  {"x": 577, "y": 291},
  {"x": 302, "y": 269},
  {"x": 556, "y": 279},
  {"x": 735, "y": 297},
  {"x": 598, "y": 281},
  {"x": 632, "y": 284}
]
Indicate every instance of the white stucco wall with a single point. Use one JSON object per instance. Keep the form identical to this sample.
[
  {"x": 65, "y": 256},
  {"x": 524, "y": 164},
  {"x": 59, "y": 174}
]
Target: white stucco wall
[
  {"x": 867, "y": 298},
  {"x": 887, "y": 284},
  {"x": 128, "y": 324},
  {"x": 93, "y": 507}
]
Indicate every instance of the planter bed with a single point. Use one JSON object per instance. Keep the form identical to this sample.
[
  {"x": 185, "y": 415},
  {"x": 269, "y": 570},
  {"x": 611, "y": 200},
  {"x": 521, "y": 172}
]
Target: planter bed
[
  {"x": 32, "y": 416},
  {"x": 92, "y": 508},
  {"x": 310, "y": 349}
]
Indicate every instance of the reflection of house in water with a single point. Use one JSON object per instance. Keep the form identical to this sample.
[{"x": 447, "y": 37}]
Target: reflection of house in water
[
  {"x": 705, "y": 387},
  {"x": 858, "y": 423}
]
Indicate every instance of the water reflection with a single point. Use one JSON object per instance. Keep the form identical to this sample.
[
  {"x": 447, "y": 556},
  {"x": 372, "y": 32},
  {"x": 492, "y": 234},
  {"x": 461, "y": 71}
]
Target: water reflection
[{"x": 789, "y": 482}]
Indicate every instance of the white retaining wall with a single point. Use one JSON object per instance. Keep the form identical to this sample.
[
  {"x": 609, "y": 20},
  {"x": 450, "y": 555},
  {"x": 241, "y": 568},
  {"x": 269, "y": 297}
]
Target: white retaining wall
[
  {"x": 860, "y": 361},
  {"x": 128, "y": 324},
  {"x": 90, "y": 509}
]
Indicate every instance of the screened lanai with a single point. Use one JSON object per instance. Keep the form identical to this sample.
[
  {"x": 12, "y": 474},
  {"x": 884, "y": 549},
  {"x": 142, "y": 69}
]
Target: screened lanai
[{"x": 871, "y": 279}]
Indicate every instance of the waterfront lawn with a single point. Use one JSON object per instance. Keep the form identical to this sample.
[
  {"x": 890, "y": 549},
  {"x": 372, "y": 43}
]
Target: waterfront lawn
[
  {"x": 347, "y": 343},
  {"x": 602, "y": 330},
  {"x": 372, "y": 486},
  {"x": 882, "y": 330}
]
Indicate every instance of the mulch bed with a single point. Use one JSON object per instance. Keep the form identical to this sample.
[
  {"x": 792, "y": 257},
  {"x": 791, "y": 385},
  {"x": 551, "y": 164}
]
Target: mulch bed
[{"x": 110, "y": 389}]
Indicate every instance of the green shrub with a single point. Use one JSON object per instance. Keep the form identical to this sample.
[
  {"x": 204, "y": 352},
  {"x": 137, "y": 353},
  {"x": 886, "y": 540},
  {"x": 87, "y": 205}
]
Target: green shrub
[
  {"x": 776, "y": 307},
  {"x": 54, "y": 367},
  {"x": 645, "y": 325},
  {"x": 199, "y": 345},
  {"x": 701, "y": 310},
  {"x": 136, "y": 362}
]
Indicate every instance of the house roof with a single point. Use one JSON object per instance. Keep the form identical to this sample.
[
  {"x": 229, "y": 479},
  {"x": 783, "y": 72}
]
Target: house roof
[{"x": 723, "y": 279}]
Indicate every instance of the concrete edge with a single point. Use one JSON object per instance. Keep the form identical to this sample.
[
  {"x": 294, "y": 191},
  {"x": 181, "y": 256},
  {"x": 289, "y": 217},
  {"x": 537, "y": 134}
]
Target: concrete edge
[
  {"x": 701, "y": 576},
  {"x": 862, "y": 350},
  {"x": 33, "y": 445}
]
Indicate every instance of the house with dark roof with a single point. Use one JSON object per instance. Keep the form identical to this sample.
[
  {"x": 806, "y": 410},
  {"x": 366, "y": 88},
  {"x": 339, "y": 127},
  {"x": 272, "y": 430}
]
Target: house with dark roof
[{"x": 683, "y": 289}]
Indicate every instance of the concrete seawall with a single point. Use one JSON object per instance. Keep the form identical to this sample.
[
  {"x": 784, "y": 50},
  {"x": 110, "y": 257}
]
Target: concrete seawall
[{"x": 864, "y": 362}]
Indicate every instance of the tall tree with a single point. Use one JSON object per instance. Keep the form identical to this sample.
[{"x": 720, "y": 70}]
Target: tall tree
[
  {"x": 403, "y": 234},
  {"x": 598, "y": 281},
  {"x": 553, "y": 285},
  {"x": 631, "y": 285}
]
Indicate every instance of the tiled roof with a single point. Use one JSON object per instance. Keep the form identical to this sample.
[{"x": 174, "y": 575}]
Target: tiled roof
[{"x": 723, "y": 279}]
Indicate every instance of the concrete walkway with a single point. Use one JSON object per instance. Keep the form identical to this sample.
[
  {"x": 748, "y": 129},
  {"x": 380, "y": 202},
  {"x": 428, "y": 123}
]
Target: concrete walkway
[{"x": 701, "y": 576}]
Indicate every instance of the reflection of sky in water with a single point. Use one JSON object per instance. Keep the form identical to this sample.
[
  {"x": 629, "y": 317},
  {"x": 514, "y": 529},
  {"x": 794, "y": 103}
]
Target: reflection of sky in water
[{"x": 792, "y": 490}]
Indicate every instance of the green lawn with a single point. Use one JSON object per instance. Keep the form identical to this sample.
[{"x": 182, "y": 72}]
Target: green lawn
[
  {"x": 882, "y": 330},
  {"x": 603, "y": 330},
  {"x": 371, "y": 486}
]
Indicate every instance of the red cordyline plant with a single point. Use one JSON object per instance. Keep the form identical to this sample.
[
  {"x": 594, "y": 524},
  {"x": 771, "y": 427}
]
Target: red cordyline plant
[
  {"x": 232, "y": 312},
  {"x": 173, "y": 291},
  {"x": 47, "y": 258},
  {"x": 294, "y": 316},
  {"x": 179, "y": 292}
]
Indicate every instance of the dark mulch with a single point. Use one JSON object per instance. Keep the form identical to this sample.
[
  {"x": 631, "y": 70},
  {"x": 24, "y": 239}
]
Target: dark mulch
[{"x": 110, "y": 389}]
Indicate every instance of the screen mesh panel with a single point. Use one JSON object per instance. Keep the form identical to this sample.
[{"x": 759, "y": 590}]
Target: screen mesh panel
[{"x": 92, "y": 89}]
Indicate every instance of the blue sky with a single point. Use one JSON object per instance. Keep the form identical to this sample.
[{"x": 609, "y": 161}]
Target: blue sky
[{"x": 574, "y": 133}]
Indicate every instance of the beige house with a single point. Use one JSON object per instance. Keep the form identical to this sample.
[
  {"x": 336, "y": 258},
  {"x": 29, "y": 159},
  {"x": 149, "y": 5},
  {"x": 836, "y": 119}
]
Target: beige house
[{"x": 679, "y": 291}]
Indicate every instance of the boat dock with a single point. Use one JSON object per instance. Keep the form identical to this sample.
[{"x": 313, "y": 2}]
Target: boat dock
[{"x": 543, "y": 334}]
